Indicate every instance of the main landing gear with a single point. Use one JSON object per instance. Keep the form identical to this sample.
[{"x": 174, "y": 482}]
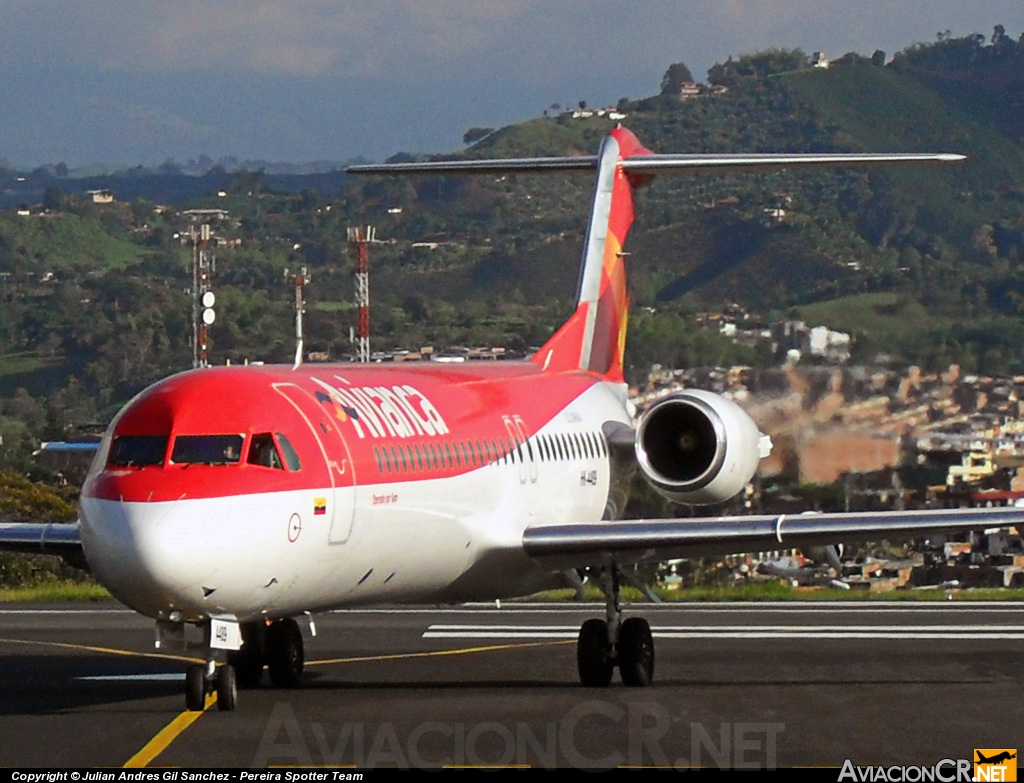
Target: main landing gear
[
  {"x": 604, "y": 644},
  {"x": 276, "y": 646}
]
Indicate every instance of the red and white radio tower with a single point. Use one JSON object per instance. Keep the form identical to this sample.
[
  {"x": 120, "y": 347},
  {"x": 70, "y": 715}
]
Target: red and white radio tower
[{"x": 361, "y": 237}]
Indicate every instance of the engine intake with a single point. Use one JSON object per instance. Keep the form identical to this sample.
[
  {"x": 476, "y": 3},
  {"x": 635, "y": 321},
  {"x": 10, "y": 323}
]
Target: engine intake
[{"x": 698, "y": 448}]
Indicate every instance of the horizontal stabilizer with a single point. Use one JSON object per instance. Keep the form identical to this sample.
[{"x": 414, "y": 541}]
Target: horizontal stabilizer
[
  {"x": 497, "y": 166},
  {"x": 648, "y": 164},
  {"x": 644, "y": 540},
  {"x": 746, "y": 164}
]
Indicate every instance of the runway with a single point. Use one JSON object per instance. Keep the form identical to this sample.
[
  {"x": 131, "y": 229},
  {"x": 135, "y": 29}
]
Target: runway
[{"x": 767, "y": 684}]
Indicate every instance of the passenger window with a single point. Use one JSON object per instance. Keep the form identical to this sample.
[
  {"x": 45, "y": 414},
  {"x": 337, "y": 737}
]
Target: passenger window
[
  {"x": 380, "y": 463},
  {"x": 291, "y": 456},
  {"x": 138, "y": 451},
  {"x": 207, "y": 449},
  {"x": 263, "y": 452}
]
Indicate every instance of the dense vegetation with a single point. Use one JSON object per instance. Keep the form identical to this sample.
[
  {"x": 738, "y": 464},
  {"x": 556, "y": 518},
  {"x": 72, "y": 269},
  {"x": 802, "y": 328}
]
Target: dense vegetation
[{"x": 922, "y": 264}]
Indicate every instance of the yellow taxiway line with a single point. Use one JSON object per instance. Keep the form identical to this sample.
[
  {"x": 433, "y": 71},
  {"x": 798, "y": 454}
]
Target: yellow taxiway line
[{"x": 167, "y": 735}]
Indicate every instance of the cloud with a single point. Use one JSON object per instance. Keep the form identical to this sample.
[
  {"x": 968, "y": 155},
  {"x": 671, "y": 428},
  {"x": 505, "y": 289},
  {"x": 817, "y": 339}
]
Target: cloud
[
  {"x": 332, "y": 78},
  {"x": 305, "y": 38}
]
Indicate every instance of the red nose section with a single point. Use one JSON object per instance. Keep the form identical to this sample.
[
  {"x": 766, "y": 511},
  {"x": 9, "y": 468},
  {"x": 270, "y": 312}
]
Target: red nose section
[{"x": 219, "y": 432}]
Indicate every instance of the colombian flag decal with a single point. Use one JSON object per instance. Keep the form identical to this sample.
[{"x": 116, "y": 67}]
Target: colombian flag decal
[{"x": 319, "y": 506}]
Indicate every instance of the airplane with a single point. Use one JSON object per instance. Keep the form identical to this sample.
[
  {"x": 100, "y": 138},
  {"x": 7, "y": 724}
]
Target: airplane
[
  {"x": 999, "y": 758},
  {"x": 237, "y": 499}
]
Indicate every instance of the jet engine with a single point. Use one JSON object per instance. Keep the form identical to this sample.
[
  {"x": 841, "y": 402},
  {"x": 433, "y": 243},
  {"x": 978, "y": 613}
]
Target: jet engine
[{"x": 698, "y": 448}]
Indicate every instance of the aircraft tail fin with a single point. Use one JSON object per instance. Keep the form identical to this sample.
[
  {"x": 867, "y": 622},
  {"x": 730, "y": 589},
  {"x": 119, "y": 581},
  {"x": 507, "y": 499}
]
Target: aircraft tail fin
[{"x": 594, "y": 337}]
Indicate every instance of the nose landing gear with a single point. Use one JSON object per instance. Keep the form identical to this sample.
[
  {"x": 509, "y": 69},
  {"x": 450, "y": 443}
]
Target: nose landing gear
[
  {"x": 604, "y": 644},
  {"x": 202, "y": 680}
]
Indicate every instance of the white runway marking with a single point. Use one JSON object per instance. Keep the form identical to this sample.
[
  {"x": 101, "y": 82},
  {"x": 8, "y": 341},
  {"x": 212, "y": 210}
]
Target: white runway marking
[
  {"x": 155, "y": 677},
  {"x": 958, "y": 632},
  {"x": 66, "y": 611}
]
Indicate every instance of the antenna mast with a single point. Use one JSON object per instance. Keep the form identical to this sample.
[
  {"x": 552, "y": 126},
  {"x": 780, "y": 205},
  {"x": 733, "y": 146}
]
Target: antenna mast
[
  {"x": 361, "y": 237},
  {"x": 300, "y": 279},
  {"x": 203, "y": 299}
]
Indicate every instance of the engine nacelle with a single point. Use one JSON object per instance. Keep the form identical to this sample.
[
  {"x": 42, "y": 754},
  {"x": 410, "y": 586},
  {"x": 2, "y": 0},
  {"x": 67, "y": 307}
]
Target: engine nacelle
[{"x": 698, "y": 448}]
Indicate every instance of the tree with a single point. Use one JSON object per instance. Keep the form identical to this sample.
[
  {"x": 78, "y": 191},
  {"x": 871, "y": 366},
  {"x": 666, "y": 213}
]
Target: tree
[
  {"x": 583, "y": 105},
  {"x": 675, "y": 77},
  {"x": 878, "y": 58},
  {"x": 474, "y": 135},
  {"x": 53, "y": 198}
]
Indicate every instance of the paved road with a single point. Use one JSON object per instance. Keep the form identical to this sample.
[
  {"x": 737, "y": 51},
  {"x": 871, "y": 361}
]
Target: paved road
[{"x": 766, "y": 684}]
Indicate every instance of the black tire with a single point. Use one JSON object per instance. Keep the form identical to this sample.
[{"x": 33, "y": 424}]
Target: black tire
[
  {"x": 636, "y": 653},
  {"x": 248, "y": 661},
  {"x": 285, "y": 657},
  {"x": 593, "y": 654},
  {"x": 227, "y": 688},
  {"x": 195, "y": 688}
]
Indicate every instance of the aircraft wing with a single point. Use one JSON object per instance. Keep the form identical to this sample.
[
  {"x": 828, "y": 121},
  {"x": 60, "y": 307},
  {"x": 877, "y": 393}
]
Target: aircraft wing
[
  {"x": 633, "y": 541},
  {"x": 43, "y": 539}
]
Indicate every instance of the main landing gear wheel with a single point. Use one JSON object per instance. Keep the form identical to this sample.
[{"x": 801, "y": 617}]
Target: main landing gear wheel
[
  {"x": 248, "y": 661},
  {"x": 594, "y": 655},
  {"x": 635, "y": 653},
  {"x": 285, "y": 657},
  {"x": 604, "y": 644}
]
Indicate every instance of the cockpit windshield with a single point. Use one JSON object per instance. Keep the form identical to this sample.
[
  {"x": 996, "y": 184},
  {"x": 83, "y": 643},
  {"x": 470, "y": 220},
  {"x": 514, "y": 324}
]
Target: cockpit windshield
[
  {"x": 264, "y": 452},
  {"x": 207, "y": 449},
  {"x": 138, "y": 451}
]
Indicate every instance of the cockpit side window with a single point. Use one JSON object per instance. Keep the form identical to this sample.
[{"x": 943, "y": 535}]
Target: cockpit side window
[
  {"x": 207, "y": 449},
  {"x": 138, "y": 451},
  {"x": 262, "y": 451},
  {"x": 291, "y": 457}
]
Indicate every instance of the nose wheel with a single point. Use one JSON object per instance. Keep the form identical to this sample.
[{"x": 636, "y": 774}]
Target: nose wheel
[
  {"x": 201, "y": 680},
  {"x": 604, "y": 644}
]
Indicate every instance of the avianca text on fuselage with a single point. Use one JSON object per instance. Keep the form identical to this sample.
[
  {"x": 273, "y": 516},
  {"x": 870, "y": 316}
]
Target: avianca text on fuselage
[{"x": 400, "y": 411}]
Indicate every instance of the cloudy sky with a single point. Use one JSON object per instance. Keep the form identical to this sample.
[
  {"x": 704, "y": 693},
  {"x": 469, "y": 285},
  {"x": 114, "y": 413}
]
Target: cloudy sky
[{"x": 142, "y": 81}]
